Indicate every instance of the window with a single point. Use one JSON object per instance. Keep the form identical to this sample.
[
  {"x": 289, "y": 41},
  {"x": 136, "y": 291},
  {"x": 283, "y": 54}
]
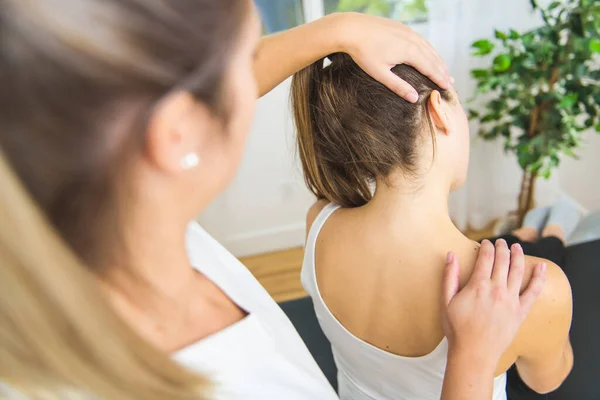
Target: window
[
  {"x": 279, "y": 15},
  {"x": 409, "y": 11}
]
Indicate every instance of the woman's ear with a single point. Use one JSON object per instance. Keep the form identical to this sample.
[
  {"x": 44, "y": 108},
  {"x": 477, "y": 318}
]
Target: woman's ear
[
  {"x": 174, "y": 133},
  {"x": 438, "y": 112}
]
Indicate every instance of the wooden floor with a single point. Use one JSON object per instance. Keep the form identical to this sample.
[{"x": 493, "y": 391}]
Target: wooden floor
[{"x": 279, "y": 272}]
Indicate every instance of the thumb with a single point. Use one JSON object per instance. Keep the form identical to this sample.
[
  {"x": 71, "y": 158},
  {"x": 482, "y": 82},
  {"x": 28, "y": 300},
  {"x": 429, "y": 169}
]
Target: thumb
[
  {"x": 398, "y": 86},
  {"x": 451, "y": 283}
]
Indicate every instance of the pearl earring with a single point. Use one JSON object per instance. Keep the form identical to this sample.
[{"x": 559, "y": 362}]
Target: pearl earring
[{"x": 190, "y": 161}]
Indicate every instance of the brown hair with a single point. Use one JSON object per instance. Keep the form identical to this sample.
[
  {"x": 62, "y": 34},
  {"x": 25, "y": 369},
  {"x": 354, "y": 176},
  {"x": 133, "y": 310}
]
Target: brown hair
[
  {"x": 78, "y": 82},
  {"x": 353, "y": 130}
]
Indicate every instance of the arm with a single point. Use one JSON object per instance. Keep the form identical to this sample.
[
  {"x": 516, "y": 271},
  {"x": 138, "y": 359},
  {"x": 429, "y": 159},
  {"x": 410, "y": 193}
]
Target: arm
[
  {"x": 545, "y": 355},
  {"x": 483, "y": 319},
  {"x": 376, "y": 44},
  {"x": 468, "y": 376}
]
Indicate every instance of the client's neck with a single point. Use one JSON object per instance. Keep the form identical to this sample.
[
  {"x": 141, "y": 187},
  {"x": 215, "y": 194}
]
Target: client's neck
[{"x": 419, "y": 208}]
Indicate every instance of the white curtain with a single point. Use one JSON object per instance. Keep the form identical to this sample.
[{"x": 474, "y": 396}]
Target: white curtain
[{"x": 494, "y": 177}]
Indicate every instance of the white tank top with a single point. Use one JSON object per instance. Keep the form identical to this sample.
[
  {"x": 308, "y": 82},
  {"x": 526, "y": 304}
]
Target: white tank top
[
  {"x": 260, "y": 357},
  {"x": 366, "y": 372}
]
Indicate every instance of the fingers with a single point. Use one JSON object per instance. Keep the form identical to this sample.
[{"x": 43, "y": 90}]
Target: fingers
[
  {"x": 450, "y": 283},
  {"x": 399, "y": 86},
  {"x": 440, "y": 74},
  {"x": 533, "y": 290},
  {"x": 517, "y": 269},
  {"x": 484, "y": 264},
  {"x": 501, "y": 263},
  {"x": 428, "y": 61}
]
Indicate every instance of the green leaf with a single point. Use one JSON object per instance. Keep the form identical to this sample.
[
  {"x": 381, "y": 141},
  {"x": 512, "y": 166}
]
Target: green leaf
[
  {"x": 500, "y": 35},
  {"x": 497, "y": 105},
  {"x": 547, "y": 173},
  {"x": 483, "y": 47},
  {"x": 490, "y": 118},
  {"x": 569, "y": 152},
  {"x": 473, "y": 114},
  {"x": 525, "y": 159},
  {"x": 480, "y": 73},
  {"x": 569, "y": 100},
  {"x": 534, "y": 4},
  {"x": 598, "y": 128},
  {"x": 553, "y": 5},
  {"x": 514, "y": 34},
  {"x": 527, "y": 38},
  {"x": 502, "y": 62},
  {"x": 595, "y": 45},
  {"x": 576, "y": 23}
]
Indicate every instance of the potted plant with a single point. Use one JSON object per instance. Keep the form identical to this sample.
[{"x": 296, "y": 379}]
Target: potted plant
[{"x": 541, "y": 92}]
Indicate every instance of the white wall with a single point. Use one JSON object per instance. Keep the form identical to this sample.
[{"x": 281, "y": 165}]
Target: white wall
[
  {"x": 264, "y": 208},
  {"x": 580, "y": 178}
]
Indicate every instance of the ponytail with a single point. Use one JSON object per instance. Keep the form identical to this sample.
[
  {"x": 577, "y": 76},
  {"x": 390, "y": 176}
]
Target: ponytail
[
  {"x": 315, "y": 103},
  {"x": 353, "y": 131},
  {"x": 58, "y": 335}
]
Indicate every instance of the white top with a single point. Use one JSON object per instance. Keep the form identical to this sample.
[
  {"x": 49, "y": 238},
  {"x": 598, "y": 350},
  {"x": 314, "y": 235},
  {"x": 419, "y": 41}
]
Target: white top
[
  {"x": 366, "y": 372},
  {"x": 259, "y": 357}
]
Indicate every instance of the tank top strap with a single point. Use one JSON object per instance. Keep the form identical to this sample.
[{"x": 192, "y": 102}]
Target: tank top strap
[
  {"x": 308, "y": 267},
  {"x": 317, "y": 225}
]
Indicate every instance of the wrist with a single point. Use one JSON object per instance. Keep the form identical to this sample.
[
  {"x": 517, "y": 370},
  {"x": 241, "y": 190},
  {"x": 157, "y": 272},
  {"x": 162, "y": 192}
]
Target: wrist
[
  {"x": 339, "y": 28},
  {"x": 469, "y": 357}
]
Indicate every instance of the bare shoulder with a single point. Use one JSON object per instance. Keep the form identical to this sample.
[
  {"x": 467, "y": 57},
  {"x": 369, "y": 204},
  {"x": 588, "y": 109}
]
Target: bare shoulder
[
  {"x": 550, "y": 317},
  {"x": 313, "y": 212},
  {"x": 547, "y": 325},
  {"x": 557, "y": 287}
]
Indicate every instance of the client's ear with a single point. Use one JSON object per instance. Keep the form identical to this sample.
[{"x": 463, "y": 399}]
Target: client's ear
[{"x": 438, "y": 112}]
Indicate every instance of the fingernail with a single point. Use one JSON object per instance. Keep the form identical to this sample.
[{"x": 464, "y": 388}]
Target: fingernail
[
  {"x": 452, "y": 80},
  {"x": 412, "y": 97},
  {"x": 449, "y": 257},
  {"x": 516, "y": 247},
  {"x": 543, "y": 267}
]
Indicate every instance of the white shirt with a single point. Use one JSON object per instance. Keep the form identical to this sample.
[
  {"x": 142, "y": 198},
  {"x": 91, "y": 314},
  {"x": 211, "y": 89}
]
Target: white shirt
[
  {"x": 366, "y": 372},
  {"x": 259, "y": 357}
]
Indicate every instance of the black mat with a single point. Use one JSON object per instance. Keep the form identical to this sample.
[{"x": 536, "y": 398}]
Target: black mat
[
  {"x": 302, "y": 315},
  {"x": 583, "y": 270}
]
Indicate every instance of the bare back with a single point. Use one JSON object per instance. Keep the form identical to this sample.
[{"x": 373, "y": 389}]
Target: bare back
[{"x": 382, "y": 282}]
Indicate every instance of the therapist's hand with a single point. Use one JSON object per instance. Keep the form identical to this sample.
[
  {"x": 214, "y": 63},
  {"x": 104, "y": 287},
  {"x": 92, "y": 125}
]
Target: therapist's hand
[
  {"x": 378, "y": 44},
  {"x": 481, "y": 320},
  {"x": 485, "y": 316}
]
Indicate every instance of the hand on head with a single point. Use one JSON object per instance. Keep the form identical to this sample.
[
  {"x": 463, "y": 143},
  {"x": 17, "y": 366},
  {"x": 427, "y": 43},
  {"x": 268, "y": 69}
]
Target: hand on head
[{"x": 380, "y": 44}]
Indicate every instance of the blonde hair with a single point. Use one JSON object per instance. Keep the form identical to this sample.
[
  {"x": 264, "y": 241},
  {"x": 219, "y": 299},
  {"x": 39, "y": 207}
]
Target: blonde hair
[
  {"x": 57, "y": 332},
  {"x": 78, "y": 82}
]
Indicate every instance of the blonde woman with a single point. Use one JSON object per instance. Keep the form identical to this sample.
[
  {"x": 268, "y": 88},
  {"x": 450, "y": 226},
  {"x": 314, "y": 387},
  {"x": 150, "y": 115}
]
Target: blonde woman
[{"x": 120, "y": 120}]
